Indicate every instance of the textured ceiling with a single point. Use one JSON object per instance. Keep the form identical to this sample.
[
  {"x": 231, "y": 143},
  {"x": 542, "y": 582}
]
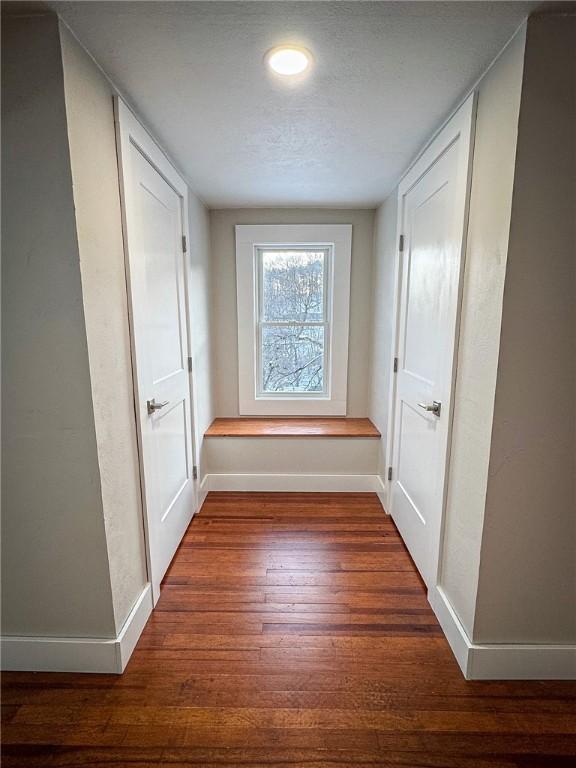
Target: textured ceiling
[{"x": 385, "y": 76}]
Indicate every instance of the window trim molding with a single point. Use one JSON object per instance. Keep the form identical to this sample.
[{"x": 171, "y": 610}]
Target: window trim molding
[{"x": 250, "y": 239}]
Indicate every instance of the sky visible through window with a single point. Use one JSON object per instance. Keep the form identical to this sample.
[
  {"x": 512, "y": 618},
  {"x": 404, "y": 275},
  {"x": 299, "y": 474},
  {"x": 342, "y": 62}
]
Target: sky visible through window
[{"x": 292, "y": 321}]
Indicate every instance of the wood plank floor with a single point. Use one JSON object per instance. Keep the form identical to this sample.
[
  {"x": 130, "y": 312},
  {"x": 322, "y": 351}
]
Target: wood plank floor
[
  {"x": 302, "y": 427},
  {"x": 292, "y": 630}
]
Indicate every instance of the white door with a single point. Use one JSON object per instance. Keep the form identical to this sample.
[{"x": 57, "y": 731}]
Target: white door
[
  {"x": 154, "y": 197},
  {"x": 432, "y": 211}
]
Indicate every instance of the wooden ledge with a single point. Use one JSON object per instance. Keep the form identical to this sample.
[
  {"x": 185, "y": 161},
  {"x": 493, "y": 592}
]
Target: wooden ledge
[{"x": 290, "y": 427}]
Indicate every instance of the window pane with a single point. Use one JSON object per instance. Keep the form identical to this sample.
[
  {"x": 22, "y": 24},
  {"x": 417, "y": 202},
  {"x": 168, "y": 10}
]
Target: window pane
[
  {"x": 293, "y": 359},
  {"x": 293, "y": 285}
]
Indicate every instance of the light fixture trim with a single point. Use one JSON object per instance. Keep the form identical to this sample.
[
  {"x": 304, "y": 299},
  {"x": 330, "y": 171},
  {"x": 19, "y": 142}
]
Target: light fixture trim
[{"x": 289, "y": 60}]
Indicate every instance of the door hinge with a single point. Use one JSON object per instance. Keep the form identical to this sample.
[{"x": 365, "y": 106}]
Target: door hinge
[
  {"x": 401, "y": 243},
  {"x": 389, "y": 473},
  {"x": 189, "y": 365},
  {"x": 194, "y": 473},
  {"x": 184, "y": 244},
  {"x": 395, "y": 365}
]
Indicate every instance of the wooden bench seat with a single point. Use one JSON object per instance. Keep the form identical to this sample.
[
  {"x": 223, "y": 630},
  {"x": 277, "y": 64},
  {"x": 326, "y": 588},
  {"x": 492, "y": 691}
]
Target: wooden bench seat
[{"x": 292, "y": 427}]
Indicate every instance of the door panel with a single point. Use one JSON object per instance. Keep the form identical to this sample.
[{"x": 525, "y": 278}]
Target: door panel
[
  {"x": 154, "y": 228},
  {"x": 173, "y": 469},
  {"x": 162, "y": 288},
  {"x": 432, "y": 213},
  {"x": 424, "y": 290},
  {"x": 417, "y": 437}
]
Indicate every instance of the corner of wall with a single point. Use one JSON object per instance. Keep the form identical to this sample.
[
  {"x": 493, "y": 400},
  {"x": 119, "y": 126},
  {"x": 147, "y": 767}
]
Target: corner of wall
[
  {"x": 54, "y": 523},
  {"x": 382, "y": 322},
  {"x": 528, "y": 569},
  {"x": 92, "y": 143},
  {"x": 201, "y": 326},
  {"x": 479, "y": 336}
]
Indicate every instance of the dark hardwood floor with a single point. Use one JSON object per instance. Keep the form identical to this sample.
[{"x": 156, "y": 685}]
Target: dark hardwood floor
[{"x": 292, "y": 630}]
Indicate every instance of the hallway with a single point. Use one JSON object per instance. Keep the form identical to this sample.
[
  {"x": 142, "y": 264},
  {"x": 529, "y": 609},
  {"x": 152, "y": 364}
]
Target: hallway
[{"x": 292, "y": 629}]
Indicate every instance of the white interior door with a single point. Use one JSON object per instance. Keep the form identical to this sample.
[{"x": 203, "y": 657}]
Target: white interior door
[
  {"x": 432, "y": 210},
  {"x": 154, "y": 199}
]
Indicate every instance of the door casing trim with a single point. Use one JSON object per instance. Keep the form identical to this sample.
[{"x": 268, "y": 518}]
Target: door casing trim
[
  {"x": 129, "y": 131},
  {"x": 460, "y": 126}
]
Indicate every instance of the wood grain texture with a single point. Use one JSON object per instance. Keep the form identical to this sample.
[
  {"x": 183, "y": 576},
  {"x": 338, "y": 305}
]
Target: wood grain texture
[
  {"x": 302, "y": 427},
  {"x": 292, "y": 630}
]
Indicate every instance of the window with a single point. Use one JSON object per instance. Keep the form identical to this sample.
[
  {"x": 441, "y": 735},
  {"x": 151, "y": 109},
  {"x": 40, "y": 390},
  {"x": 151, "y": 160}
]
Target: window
[
  {"x": 293, "y": 285},
  {"x": 293, "y": 333}
]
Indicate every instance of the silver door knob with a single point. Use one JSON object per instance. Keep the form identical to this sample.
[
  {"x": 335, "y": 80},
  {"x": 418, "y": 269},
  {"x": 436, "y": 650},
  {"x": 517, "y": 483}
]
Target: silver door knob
[
  {"x": 152, "y": 405},
  {"x": 435, "y": 408}
]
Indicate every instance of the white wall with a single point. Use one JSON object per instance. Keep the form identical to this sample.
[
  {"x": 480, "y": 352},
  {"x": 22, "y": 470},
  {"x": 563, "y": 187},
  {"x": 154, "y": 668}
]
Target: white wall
[
  {"x": 527, "y": 586},
  {"x": 94, "y": 165},
  {"x": 73, "y": 557},
  {"x": 385, "y": 248},
  {"x": 200, "y": 322},
  {"x": 278, "y": 456},
  {"x": 91, "y": 135},
  {"x": 224, "y": 317},
  {"x": 509, "y": 549},
  {"x": 55, "y": 576},
  {"x": 487, "y": 243},
  {"x": 485, "y": 270},
  {"x": 96, "y": 196}
]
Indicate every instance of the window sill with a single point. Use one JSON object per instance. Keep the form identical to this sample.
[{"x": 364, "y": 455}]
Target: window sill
[{"x": 293, "y": 427}]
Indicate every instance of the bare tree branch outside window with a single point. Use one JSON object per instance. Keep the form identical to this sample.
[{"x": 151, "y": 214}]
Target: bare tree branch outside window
[{"x": 292, "y": 321}]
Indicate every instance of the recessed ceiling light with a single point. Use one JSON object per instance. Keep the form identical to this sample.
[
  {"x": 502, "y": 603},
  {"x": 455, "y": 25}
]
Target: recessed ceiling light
[{"x": 289, "y": 60}]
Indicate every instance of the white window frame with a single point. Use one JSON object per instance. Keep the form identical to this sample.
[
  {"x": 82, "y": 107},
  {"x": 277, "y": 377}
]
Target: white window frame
[{"x": 336, "y": 241}]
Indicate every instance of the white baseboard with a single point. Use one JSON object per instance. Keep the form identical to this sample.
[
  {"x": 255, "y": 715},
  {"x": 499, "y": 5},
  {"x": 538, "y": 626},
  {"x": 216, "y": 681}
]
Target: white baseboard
[
  {"x": 78, "y": 654},
  {"x": 201, "y": 496},
  {"x": 451, "y": 626},
  {"x": 133, "y": 627},
  {"x": 382, "y": 492},
  {"x": 501, "y": 662},
  {"x": 292, "y": 482}
]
